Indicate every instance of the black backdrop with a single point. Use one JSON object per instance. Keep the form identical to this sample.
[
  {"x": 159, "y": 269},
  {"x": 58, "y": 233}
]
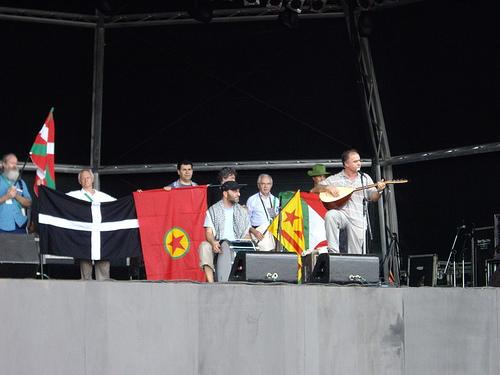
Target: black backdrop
[{"x": 259, "y": 91}]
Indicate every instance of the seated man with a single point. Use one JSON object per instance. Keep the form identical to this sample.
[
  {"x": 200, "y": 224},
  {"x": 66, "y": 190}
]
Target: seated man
[{"x": 225, "y": 220}]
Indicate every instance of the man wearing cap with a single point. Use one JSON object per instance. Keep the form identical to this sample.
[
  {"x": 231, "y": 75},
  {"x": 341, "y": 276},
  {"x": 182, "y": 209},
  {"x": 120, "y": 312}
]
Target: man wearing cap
[
  {"x": 225, "y": 220},
  {"x": 225, "y": 174},
  {"x": 318, "y": 173}
]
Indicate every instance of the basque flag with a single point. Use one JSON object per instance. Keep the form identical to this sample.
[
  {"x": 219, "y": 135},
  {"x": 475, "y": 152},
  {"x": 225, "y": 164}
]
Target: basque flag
[{"x": 87, "y": 230}]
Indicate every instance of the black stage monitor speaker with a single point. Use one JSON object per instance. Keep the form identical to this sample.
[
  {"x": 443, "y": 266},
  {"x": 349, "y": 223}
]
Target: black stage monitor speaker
[
  {"x": 264, "y": 266},
  {"x": 346, "y": 269},
  {"x": 18, "y": 255},
  {"x": 422, "y": 270},
  {"x": 483, "y": 248}
]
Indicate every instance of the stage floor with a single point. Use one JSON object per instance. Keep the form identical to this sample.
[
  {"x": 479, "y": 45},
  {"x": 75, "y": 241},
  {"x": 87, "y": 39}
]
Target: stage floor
[{"x": 130, "y": 327}]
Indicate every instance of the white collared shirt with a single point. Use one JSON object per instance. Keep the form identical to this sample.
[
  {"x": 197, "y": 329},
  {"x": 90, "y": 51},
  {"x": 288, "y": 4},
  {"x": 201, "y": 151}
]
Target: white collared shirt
[
  {"x": 98, "y": 196},
  {"x": 259, "y": 207}
]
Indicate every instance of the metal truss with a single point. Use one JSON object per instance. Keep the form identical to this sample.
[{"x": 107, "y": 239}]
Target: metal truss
[
  {"x": 46, "y": 17},
  {"x": 260, "y": 12},
  {"x": 387, "y": 212},
  {"x": 248, "y": 14},
  {"x": 443, "y": 154},
  {"x": 157, "y": 19},
  {"x": 203, "y": 166}
]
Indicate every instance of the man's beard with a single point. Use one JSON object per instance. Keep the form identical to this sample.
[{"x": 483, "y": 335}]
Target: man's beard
[
  {"x": 234, "y": 200},
  {"x": 12, "y": 174}
]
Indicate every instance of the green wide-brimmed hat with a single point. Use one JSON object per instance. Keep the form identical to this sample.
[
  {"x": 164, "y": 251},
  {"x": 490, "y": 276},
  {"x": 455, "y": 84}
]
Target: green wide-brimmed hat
[{"x": 317, "y": 170}]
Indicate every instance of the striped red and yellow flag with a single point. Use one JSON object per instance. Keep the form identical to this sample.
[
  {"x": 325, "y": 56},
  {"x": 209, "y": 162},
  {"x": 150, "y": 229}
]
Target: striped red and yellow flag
[{"x": 288, "y": 228}]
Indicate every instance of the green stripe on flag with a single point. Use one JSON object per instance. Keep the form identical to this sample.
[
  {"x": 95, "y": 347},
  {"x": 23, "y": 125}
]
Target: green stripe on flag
[
  {"x": 50, "y": 182},
  {"x": 39, "y": 149},
  {"x": 305, "y": 222}
]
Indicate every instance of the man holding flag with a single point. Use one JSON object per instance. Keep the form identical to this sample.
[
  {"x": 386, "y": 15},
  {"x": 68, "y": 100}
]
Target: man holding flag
[
  {"x": 14, "y": 197},
  {"x": 89, "y": 194}
]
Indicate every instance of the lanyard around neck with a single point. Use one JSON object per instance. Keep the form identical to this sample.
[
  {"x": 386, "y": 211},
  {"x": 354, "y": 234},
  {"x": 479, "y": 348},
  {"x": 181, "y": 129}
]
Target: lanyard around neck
[
  {"x": 88, "y": 196},
  {"x": 265, "y": 208}
]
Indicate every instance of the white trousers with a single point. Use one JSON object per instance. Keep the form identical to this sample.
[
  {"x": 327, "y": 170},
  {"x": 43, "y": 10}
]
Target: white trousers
[{"x": 336, "y": 220}]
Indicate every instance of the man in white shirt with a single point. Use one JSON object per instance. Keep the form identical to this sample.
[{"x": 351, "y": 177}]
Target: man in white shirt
[
  {"x": 89, "y": 194},
  {"x": 351, "y": 215},
  {"x": 263, "y": 207},
  {"x": 225, "y": 220}
]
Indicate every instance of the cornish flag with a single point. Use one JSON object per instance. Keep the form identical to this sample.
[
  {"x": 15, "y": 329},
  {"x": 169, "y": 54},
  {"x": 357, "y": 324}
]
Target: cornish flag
[{"x": 87, "y": 230}]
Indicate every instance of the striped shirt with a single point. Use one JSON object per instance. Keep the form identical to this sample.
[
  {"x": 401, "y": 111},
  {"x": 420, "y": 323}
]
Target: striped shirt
[{"x": 353, "y": 209}]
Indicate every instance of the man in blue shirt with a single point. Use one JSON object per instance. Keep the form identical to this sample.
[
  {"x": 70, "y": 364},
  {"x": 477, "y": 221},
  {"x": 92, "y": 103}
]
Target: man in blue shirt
[{"x": 14, "y": 197}]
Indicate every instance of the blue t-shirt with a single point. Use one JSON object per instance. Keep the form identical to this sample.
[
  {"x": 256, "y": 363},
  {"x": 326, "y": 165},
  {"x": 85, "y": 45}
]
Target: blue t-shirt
[{"x": 11, "y": 211}]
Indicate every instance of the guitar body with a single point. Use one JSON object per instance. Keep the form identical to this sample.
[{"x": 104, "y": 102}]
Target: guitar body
[{"x": 330, "y": 202}]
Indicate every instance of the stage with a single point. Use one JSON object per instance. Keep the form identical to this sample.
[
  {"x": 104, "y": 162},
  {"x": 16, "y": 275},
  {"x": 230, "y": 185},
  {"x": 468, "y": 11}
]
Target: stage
[{"x": 138, "y": 327}]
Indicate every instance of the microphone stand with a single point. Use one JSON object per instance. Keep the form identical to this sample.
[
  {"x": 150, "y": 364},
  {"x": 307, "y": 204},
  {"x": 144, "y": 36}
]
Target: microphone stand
[
  {"x": 467, "y": 236},
  {"x": 366, "y": 215},
  {"x": 453, "y": 252}
]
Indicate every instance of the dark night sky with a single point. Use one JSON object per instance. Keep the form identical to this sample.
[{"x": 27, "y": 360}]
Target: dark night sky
[{"x": 259, "y": 91}]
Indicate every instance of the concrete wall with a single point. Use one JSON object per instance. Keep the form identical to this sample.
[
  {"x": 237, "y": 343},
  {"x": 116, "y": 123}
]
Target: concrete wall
[{"x": 76, "y": 327}]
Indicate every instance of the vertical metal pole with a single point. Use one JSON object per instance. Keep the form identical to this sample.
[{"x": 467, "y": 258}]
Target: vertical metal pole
[
  {"x": 97, "y": 94},
  {"x": 473, "y": 259},
  {"x": 375, "y": 121}
]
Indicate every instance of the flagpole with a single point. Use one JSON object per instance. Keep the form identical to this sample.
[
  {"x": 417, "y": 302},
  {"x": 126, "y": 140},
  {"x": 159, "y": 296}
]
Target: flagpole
[
  {"x": 22, "y": 169},
  {"x": 280, "y": 246}
]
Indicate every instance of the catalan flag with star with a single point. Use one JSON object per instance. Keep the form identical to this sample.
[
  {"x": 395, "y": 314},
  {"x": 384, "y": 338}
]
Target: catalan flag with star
[
  {"x": 288, "y": 228},
  {"x": 171, "y": 229}
]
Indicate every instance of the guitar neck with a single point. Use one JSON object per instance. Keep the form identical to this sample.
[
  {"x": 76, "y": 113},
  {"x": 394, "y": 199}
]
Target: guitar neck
[
  {"x": 374, "y": 185},
  {"x": 365, "y": 187}
]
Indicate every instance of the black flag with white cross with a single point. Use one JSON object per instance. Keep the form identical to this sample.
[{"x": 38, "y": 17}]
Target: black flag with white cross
[{"x": 87, "y": 230}]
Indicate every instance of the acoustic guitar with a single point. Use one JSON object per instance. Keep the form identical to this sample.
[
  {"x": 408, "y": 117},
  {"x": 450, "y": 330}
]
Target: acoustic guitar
[{"x": 331, "y": 202}]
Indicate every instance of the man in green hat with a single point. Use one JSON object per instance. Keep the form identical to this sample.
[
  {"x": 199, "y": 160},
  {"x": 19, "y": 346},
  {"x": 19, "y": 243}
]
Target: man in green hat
[{"x": 318, "y": 174}]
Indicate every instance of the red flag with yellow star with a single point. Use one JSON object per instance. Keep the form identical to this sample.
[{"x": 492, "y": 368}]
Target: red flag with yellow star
[
  {"x": 171, "y": 229},
  {"x": 288, "y": 228}
]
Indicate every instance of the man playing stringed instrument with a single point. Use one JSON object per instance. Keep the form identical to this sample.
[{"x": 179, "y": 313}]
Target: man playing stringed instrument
[{"x": 349, "y": 213}]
